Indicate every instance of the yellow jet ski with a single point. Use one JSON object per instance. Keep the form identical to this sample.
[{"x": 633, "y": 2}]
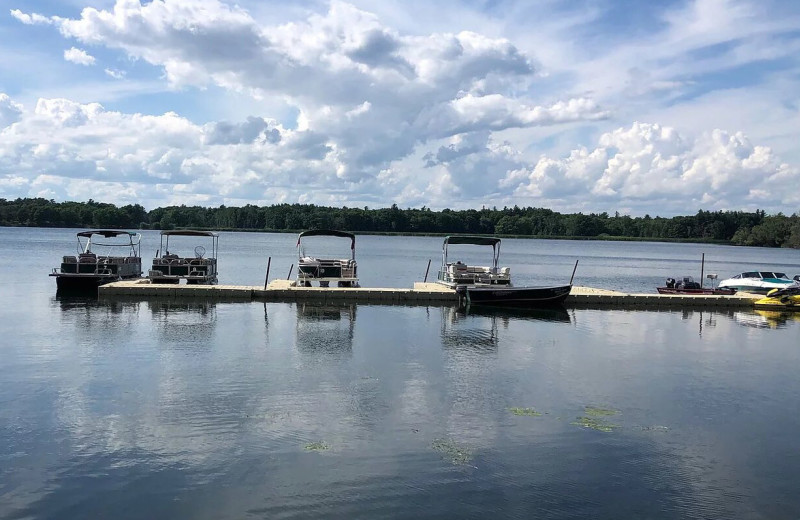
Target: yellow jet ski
[{"x": 783, "y": 299}]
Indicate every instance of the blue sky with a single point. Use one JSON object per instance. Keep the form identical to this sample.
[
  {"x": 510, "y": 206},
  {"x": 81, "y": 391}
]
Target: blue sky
[{"x": 638, "y": 107}]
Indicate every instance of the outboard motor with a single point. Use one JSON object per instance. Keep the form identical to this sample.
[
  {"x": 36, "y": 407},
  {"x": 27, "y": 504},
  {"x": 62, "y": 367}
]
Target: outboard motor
[{"x": 461, "y": 291}]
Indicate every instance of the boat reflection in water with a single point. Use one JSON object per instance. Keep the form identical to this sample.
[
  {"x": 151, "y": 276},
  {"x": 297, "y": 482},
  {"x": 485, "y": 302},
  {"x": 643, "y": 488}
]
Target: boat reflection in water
[
  {"x": 553, "y": 314},
  {"x": 478, "y": 327},
  {"x": 183, "y": 322},
  {"x": 325, "y": 328},
  {"x": 71, "y": 301},
  {"x": 462, "y": 331}
]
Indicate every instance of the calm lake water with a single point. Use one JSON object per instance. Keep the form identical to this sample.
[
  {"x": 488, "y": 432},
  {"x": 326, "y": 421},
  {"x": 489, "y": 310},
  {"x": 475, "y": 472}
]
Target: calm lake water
[{"x": 249, "y": 410}]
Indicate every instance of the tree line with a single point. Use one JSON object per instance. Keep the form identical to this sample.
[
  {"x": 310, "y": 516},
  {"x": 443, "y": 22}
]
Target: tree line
[{"x": 734, "y": 227}]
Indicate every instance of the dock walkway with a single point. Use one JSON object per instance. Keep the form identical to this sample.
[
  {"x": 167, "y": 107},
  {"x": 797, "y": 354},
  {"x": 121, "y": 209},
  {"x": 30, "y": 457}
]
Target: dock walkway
[{"x": 420, "y": 294}]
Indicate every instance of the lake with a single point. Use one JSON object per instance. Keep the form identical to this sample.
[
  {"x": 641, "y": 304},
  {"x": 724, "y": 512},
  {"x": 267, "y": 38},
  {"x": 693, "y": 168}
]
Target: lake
[{"x": 158, "y": 409}]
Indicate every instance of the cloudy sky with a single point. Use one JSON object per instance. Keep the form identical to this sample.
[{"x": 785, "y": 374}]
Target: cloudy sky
[{"x": 582, "y": 105}]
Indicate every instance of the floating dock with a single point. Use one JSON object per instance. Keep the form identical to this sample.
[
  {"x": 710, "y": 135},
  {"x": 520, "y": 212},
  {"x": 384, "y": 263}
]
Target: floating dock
[{"x": 420, "y": 294}]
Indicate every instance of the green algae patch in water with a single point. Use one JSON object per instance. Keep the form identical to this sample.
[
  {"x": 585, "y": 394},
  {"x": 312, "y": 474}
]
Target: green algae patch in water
[
  {"x": 595, "y": 424},
  {"x": 596, "y": 411},
  {"x": 317, "y": 446},
  {"x": 527, "y": 412},
  {"x": 452, "y": 451}
]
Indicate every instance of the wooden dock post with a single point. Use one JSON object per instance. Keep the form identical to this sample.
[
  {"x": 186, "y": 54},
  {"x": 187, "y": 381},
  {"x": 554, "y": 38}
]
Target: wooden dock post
[{"x": 573, "y": 271}]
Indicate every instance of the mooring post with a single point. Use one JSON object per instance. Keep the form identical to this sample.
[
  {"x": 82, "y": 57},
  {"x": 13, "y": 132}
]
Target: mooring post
[
  {"x": 290, "y": 272},
  {"x": 702, "y": 266},
  {"x": 573, "y": 271},
  {"x": 266, "y": 278},
  {"x": 426, "y": 271}
]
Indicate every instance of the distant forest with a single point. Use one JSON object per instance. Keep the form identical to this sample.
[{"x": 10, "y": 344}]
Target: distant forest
[{"x": 732, "y": 227}]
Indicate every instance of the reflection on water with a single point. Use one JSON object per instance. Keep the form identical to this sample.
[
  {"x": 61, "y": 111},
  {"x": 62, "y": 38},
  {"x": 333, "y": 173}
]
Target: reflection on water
[
  {"x": 702, "y": 318},
  {"x": 203, "y": 410},
  {"x": 325, "y": 328},
  {"x": 461, "y": 330},
  {"x": 90, "y": 304},
  {"x": 188, "y": 323},
  {"x": 552, "y": 314},
  {"x": 767, "y": 319},
  {"x": 479, "y": 327}
]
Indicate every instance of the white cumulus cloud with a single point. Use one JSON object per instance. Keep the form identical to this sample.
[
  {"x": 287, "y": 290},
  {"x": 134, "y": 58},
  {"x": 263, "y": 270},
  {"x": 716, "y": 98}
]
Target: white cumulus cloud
[
  {"x": 78, "y": 56},
  {"x": 29, "y": 19},
  {"x": 648, "y": 163},
  {"x": 372, "y": 94},
  {"x": 10, "y": 112},
  {"x": 370, "y": 112},
  {"x": 114, "y": 73}
]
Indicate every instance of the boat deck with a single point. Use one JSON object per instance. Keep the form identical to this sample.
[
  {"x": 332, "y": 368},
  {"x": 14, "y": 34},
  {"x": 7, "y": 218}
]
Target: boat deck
[{"x": 420, "y": 294}]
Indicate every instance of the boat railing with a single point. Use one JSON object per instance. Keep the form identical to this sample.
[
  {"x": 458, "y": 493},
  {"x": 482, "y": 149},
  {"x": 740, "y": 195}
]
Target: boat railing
[
  {"x": 311, "y": 268},
  {"x": 459, "y": 273},
  {"x": 173, "y": 267},
  {"x": 105, "y": 267}
]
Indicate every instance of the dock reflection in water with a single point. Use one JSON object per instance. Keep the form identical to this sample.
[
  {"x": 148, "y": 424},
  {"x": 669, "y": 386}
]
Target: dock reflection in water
[{"x": 175, "y": 410}]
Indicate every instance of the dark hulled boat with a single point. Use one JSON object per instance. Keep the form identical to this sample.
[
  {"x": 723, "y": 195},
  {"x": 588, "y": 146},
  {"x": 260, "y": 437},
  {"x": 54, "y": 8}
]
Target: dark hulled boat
[
  {"x": 688, "y": 287},
  {"x": 533, "y": 296}
]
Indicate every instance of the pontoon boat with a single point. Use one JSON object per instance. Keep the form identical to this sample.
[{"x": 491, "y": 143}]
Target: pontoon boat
[
  {"x": 457, "y": 273},
  {"x": 491, "y": 285},
  {"x": 342, "y": 271},
  {"x": 201, "y": 269},
  {"x": 88, "y": 270}
]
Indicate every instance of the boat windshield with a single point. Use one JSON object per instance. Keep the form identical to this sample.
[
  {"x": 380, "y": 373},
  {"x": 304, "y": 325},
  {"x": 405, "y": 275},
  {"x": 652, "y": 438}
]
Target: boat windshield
[
  {"x": 767, "y": 274},
  {"x": 752, "y": 274}
]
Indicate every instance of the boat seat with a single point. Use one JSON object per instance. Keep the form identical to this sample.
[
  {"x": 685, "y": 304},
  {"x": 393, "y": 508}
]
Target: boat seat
[
  {"x": 69, "y": 260},
  {"x": 457, "y": 268}
]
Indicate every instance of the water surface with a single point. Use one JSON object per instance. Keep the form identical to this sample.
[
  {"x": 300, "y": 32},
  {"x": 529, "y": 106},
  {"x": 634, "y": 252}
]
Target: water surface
[{"x": 146, "y": 409}]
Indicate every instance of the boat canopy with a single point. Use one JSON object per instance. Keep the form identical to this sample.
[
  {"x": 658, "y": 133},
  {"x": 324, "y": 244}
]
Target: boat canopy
[
  {"x": 471, "y": 239},
  {"x": 106, "y": 233},
  {"x": 85, "y": 245},
  {"x": 329, "y": 233},
  {"x": 476, "y": 240},
  {"x": 189, "y": 233}
]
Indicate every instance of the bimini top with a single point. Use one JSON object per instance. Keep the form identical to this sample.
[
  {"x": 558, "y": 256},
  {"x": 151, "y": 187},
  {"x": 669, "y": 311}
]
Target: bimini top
[
  {"x": 471, "y": 239},
  {"x": 106, "y": 233},
  {"x": 329, "y": 233},
  {"x": 189, "y": 233}
]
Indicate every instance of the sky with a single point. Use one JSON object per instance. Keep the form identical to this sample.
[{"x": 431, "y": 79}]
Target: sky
[{"x": 660, "y": 108}]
